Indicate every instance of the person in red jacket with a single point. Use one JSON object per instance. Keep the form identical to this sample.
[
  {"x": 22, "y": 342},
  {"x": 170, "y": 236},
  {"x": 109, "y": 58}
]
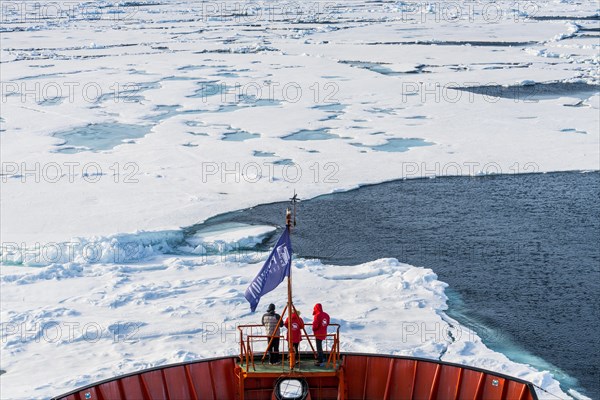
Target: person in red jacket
[
  {"x": 319, "y": 326},
  {"x": 297, "y": 324}
]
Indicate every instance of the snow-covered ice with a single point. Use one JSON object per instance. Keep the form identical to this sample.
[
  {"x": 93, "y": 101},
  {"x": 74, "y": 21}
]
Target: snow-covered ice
[
  {"x": 96, "y": 321},
  {"x": 228, "y": 237},
  {"x": 149, "y": 116}
]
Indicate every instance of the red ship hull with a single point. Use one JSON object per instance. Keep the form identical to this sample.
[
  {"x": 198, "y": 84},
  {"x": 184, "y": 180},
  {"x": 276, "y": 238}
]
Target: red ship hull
[{"x": 359, "y": 376}]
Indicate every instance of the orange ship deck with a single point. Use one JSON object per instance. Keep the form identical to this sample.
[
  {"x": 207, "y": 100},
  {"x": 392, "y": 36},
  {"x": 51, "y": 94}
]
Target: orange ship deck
[{"x": 355, "y": 376}]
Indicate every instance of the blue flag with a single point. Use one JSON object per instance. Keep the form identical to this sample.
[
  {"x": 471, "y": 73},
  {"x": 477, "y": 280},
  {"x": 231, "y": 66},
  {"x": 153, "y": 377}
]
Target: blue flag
[{"x": 275, "y": 269}]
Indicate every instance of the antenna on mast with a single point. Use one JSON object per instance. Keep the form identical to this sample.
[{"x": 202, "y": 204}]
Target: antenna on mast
[{"x": 294, "y": 199}]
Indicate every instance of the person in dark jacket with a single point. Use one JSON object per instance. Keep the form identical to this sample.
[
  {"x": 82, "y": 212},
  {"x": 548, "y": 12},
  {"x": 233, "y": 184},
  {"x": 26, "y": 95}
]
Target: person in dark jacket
[
  {"x": 297, "y": 324},
  {"x": 270, "y": 320},
  {"x": 319, "y": 326}
]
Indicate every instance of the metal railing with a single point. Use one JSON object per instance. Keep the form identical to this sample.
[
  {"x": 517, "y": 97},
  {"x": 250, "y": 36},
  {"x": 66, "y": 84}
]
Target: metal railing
[{"x": 249, "y": 335}]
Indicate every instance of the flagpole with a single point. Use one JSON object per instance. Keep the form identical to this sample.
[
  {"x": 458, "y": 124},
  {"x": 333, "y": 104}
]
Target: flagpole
[{"x": 292, "y": 356}]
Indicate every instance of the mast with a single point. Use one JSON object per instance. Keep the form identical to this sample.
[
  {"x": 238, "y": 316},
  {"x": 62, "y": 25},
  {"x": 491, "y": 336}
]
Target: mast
[
  {"x": 288, "y": 224},
  {"x": 292, "y": 356}
]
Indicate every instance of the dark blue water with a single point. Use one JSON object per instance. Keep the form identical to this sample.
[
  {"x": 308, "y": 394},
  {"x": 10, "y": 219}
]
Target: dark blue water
[{"x": 521, "y": 254}]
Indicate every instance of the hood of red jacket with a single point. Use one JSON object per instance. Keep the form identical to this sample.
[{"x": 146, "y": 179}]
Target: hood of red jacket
[{"x": 318, "y": 308}]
